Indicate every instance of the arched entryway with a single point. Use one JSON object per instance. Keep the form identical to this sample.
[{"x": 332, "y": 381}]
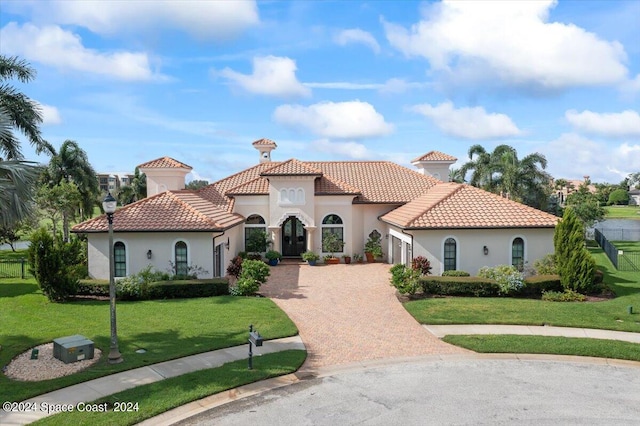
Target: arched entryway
[{"x": 294, "y": 237}]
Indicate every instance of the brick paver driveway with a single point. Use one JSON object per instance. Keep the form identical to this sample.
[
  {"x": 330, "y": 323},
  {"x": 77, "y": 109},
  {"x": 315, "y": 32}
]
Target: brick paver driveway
[{"x": 349, "y": 313}]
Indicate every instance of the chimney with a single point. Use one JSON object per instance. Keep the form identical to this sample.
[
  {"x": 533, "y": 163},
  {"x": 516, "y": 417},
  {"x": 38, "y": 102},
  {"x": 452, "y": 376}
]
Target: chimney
[{"x": 265, "y": 146}]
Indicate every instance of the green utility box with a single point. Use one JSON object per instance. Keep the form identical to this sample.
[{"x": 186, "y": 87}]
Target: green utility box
[{"x": 72, "y": 348}]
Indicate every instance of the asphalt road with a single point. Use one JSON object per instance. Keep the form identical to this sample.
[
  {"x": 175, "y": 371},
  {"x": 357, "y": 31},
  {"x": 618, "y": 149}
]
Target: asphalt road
[{"x": 462, "y": 392}]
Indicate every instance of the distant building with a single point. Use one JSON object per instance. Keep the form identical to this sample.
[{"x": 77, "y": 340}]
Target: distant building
[
  {"x": 572, "y": 186},
  {"x": 109, "y": 182}
]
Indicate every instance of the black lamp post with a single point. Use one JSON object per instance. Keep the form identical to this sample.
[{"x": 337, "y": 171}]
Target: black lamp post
[{"x": 109, "y": 205}]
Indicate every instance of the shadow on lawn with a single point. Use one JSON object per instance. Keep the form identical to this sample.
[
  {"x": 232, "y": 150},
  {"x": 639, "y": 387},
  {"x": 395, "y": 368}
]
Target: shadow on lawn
[{"x": 18, "y": 289}]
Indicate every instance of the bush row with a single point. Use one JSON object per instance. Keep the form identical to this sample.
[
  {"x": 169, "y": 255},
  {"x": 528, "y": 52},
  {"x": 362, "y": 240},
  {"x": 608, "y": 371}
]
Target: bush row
[
  {"x": 177, "y": 289},
  {"x": 482, "y": 287}
]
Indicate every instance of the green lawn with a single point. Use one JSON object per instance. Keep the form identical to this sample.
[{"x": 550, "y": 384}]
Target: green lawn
[
  {"x": 622, "y": 212},
  {"x": 167, "y": 329},
  {"x": 547, "y": 345},
  {"x": 156, "y": 398},
  {"x": 611, "y": 314},
  {"x": 627, "y": 245}
]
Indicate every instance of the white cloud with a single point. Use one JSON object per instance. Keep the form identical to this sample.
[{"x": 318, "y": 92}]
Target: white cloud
[
  {"x": 203, "y": 19},
  {"x": 398, "y": 85},
  {"x": 573, "y": 156},
  {"x": 345, "y": 85},
  {"x": 272, "y": 76},
  {"x": 62, "y": 49},
  {"x": 469, "y": 123},
  {"x": 354, "y": 150},
  {"x": 50, "y": 114},
  {"x": 625, "y": 123},
  {"x": 512, "y": 41},
  {"x": 356, "y": 35},
  {"x": 344, "y": 120}
]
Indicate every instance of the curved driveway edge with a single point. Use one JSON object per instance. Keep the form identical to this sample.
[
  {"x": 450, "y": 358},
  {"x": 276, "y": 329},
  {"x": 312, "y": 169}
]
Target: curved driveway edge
[
  {"x": 349, "y": 313},
  {"x": 532, "y": 330}
]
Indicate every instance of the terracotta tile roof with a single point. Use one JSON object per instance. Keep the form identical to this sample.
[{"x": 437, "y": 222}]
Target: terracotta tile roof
[
  {"x": 168, "y": 211},
  {"x": 451, "y": 205},
  {"x": 264, "y": 142},
  {"x": 435, "y": 156},
  {"x": 292, "y": 167},
  {"x": 164, "y": 163},
  {"x": 257, "y": 186},
  {"x": 376, "y": 181},
  {"x": 216, "y": 191}
]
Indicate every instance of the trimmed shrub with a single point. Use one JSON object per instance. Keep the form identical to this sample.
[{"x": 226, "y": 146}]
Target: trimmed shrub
[
  {"x": 454, "y": 273},
  {"x": 422, "y": 264},
  {"x": 406, "y": 280},
  {"x": 186, "y": 289},
  {"x": 47, "y": 260},
  {"x": 235, "y": 266},
  {"x": 93, "y": 288},
  {"x": 510, "y": 280},
  {"x": 565, "y": 296},
  {"x": 460, "y": 286},
  {"x": 254, "y": 274},
  {"x": 545, "y": 265},
  {"x": 535, "y": 286}
]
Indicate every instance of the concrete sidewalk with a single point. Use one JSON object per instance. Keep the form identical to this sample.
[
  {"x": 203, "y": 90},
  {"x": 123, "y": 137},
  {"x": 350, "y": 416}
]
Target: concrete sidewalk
[
  {"x": 108, "y": 385},
  {"x": 532, "y": 330}
]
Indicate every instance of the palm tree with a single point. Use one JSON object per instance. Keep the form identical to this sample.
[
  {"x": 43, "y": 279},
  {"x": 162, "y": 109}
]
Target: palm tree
[
  {"x": 17, "y": 179},
  {"x": 21, "y": 112},
  {"x": 482, "y": 176},
  {"x": 503, "y": 173},
  {"x": 71, "y": 164}
]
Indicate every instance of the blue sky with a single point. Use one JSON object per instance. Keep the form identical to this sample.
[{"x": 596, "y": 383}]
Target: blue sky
[{"x": 200, "y": 80}]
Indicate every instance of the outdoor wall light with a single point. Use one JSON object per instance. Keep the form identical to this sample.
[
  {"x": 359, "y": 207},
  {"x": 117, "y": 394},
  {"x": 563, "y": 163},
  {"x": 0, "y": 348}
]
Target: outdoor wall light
[
  {"x": 226, "y": 245},
  {"x": 485, "y": 249},
  {"x": 149, "y": 254}
]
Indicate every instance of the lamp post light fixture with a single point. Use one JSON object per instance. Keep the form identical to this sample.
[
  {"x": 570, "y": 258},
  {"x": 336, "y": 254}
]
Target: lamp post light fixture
[{"x": 109, "y": 205}]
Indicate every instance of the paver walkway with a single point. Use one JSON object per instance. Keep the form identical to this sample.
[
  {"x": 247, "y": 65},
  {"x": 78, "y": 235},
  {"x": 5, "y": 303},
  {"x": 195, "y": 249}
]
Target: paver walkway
[{"x": 349, "y": 313}]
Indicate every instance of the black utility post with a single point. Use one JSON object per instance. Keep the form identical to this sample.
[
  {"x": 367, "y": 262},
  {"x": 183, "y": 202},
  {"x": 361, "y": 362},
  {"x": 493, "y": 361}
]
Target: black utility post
[
  {"x": 254, "y": 339},
  {"x": 109, "y": 205}
]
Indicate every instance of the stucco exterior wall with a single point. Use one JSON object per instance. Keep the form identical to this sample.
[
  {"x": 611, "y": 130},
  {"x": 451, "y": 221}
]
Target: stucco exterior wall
[
  {"x": 470, "y": 244},
  {"x": 161, "y": 180},
  {"x": 199, "y": 251}
]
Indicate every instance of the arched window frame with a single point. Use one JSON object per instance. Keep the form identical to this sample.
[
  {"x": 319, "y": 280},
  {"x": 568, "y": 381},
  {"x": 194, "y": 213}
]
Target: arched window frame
[
  {"x": 181, "y": 266},
  {"x": 446, "y": 266},
  {"x": 120, "y": 259},
  {"x": 524, "y": 251},
  {"x": 253, "y": 227},
  {"x": 334, "y": 228}
]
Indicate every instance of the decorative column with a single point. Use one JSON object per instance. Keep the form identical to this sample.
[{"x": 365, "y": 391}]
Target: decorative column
[
  {"x": 310, "y": 230},
  {"x": 275, "y": 237}
]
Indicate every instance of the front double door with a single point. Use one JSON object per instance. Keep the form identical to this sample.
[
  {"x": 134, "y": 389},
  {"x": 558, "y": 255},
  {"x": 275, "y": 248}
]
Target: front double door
[{"x": 294, "y": 237}]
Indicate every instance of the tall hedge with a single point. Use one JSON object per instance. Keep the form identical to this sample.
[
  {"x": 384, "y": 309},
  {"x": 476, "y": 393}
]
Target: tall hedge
[{"x": 574, "y": 263}]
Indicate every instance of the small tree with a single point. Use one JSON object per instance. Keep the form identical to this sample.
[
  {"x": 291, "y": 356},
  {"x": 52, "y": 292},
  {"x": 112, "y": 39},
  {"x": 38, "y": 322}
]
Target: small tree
[
  {"x": 573, "y": 261},
  {"x": 331, "y": 243},
  {"x": 619, "y": 196},
  {"x": 48, "y": 266},
  {"x": 257, "y": 242}
]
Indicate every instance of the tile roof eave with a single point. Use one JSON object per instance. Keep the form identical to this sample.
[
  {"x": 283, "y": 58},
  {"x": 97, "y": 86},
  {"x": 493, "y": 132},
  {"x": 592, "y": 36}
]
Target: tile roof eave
[
  {"x": 267, "y": 174},
  {"x": 435, "y": 228}
]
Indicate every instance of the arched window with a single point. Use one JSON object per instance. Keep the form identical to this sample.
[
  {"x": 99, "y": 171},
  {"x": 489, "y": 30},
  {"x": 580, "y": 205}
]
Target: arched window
[
  {"x": 450, "y": 254},
  {"x": 332, "y": 224},
  {"x": 253, "y": 225},
  {"x": 517, "y": 253},
  {"x": 181, "y": 258},
  {"x": 120, "y": 259}
]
